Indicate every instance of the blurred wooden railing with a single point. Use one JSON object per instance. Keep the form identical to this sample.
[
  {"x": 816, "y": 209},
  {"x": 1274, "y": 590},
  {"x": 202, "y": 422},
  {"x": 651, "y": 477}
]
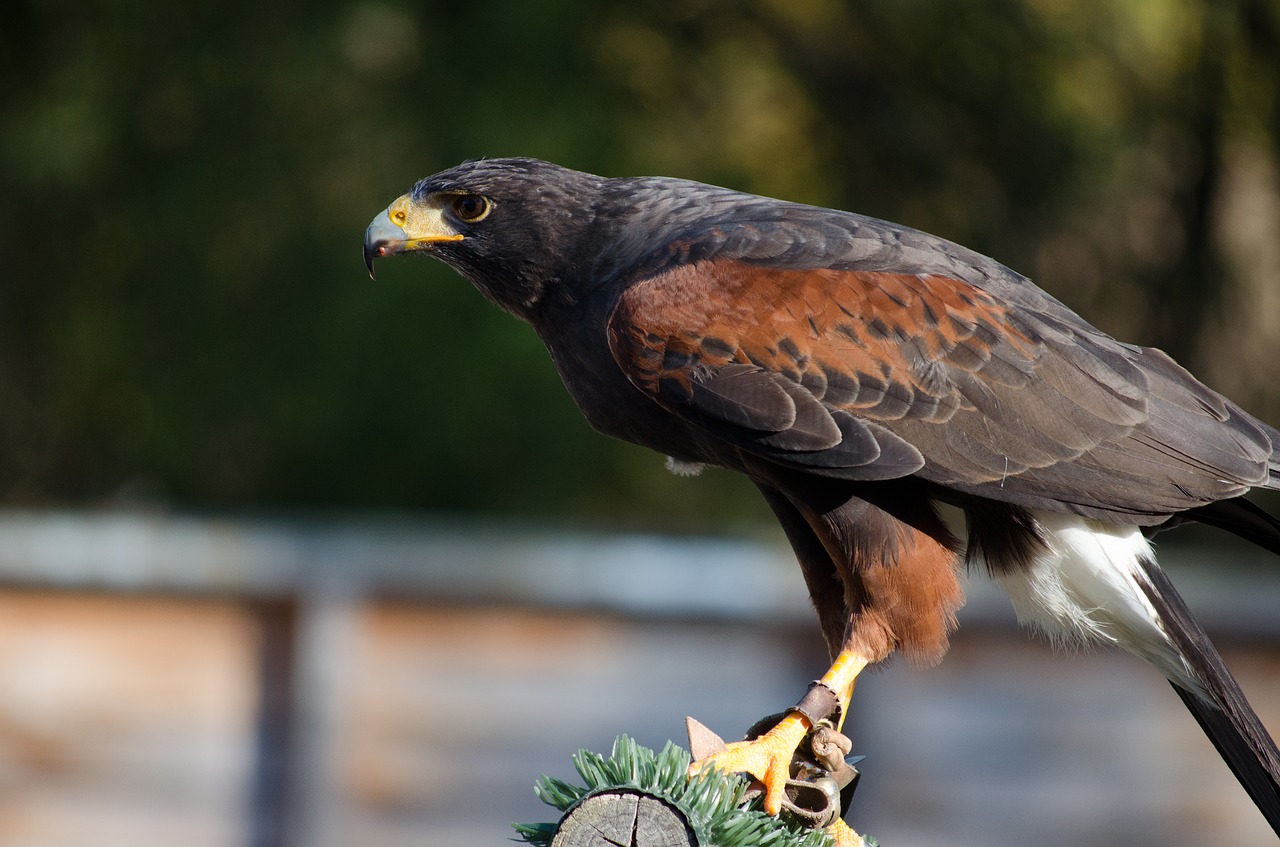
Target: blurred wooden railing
[{"x": 304, "y": 579}]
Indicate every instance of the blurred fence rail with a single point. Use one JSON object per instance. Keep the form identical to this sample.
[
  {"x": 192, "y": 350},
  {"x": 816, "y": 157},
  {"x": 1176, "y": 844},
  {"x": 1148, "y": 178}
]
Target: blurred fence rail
[
  {"x": 635, "y": 574},
  {"x": 305, "y": 581},
  {"x": 1232, "y": 587}
]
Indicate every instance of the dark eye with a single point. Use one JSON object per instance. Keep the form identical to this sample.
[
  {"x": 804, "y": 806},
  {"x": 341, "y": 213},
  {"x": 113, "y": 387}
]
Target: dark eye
[{"x": 470, "y": 207}]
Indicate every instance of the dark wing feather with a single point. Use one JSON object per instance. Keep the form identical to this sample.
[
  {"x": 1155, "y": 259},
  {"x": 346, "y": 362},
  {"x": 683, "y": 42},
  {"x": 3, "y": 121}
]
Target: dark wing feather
[
  {"x": 855, "y": 349},
  {"x": 1243, "y": 518},
  {"x": 744, "y": 396}
]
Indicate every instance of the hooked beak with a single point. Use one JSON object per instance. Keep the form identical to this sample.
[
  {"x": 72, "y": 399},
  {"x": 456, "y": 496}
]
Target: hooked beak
[
  {"x": 404, "y": 226},
  {"x": 382, "y": 238}
]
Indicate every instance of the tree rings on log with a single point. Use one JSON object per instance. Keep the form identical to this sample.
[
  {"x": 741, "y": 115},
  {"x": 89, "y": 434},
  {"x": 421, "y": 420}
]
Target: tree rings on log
[{"x": 624, "y": 818}]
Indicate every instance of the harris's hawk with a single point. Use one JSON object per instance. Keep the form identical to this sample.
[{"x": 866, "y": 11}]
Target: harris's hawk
[{"x": 871, "y": 380}]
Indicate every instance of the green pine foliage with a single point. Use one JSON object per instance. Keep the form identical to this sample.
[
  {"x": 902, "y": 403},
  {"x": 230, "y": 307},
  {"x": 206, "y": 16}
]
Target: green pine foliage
[{"x": 713, "y": 803}]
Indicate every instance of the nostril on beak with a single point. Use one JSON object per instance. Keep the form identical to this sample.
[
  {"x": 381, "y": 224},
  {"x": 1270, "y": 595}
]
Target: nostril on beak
[{"x": 383, "y": 238}]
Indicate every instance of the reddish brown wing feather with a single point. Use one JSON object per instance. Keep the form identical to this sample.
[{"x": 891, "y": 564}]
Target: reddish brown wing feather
[
  {"x": 860, "y": 340},
  {"x": 850, "y": 373}
]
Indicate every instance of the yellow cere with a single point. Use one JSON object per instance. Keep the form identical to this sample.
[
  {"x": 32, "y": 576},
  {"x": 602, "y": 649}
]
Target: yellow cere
[{"x": 422, "y": 224}]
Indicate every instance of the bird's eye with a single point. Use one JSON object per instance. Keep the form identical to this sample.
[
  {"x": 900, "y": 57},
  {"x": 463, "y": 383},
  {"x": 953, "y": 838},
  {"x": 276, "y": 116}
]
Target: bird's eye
[{"x": 470, "y": 207}]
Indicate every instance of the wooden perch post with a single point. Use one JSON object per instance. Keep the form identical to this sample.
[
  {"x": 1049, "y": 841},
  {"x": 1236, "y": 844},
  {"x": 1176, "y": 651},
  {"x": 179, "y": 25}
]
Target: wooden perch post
[
  {"x": 638, "y": 798},
  {"x": 624, "y": 818}
]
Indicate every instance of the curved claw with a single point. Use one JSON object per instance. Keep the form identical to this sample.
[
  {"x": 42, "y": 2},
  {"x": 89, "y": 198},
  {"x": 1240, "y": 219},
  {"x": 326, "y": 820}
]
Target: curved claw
[{"x": 767, "y": 758}]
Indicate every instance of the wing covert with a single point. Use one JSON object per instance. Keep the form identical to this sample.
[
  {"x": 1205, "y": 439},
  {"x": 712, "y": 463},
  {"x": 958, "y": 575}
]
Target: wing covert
[{"x": 871, "y": 375}]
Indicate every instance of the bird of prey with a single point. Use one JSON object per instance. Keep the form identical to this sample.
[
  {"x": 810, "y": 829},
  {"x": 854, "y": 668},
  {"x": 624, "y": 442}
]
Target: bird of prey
[{"x": 906, "y": 406}]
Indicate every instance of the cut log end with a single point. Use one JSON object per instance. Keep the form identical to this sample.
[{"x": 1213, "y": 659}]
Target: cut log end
[{"x": 624, "y": 818}]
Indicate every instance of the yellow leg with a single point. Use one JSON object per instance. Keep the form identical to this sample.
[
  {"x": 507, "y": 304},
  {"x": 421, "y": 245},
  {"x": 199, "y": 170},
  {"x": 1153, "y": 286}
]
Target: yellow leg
[
  {"x": 842, "y": 835},
  {"x": 840, "y": 678},
  {"x": 768, "y": 758}
]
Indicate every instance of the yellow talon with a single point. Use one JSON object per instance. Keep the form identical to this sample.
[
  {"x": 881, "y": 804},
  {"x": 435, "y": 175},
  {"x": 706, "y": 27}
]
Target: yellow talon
[{"x": 767, "y": 758}]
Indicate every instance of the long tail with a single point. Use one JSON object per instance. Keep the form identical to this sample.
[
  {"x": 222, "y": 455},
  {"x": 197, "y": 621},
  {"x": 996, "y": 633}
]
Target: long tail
[{"x": 1222, "y": 710}]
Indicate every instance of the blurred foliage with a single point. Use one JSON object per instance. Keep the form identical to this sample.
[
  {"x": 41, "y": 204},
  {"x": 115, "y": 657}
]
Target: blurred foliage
[{"x": 183, "y": 188}]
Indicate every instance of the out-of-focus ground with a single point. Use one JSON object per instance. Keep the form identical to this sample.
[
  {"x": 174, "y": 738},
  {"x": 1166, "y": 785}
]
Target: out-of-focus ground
[{"x": 129, "y": 718}]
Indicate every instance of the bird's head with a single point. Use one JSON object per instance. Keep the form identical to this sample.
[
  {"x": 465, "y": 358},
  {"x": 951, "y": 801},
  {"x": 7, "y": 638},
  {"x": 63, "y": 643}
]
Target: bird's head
[{"x": 507, "y": 225}]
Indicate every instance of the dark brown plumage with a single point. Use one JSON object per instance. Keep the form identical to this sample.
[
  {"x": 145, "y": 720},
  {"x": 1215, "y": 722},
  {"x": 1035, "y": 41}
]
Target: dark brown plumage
[{"x": 865, "y": 375}]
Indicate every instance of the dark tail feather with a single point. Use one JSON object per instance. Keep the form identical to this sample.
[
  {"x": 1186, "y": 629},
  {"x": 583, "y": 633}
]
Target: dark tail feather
[
  {"x": 1240, "y": 753},
  {"x": 1226, "y": 716},
  {"x": 1240, "y": 517}
]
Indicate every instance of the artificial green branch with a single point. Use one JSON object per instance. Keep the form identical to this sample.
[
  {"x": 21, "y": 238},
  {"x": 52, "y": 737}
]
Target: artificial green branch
[{"x": 715, "y": 806}]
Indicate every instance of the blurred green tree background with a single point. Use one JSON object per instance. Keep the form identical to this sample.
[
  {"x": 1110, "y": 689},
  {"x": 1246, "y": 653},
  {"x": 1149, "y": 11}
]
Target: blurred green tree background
[{"x": 184, "y": 318}]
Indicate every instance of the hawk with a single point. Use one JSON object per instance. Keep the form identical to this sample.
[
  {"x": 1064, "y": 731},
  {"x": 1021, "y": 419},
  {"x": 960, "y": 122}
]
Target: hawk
[{"x": 906, "y": 406}]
